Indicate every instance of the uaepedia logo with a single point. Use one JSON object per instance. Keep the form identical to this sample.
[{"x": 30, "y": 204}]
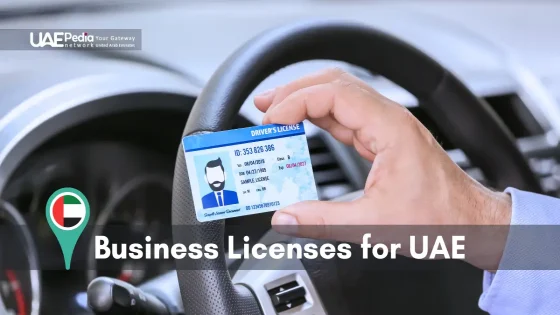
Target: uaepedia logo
[
  {"x": 72, "y": 39},
  {"x": 59, "y": 39}
]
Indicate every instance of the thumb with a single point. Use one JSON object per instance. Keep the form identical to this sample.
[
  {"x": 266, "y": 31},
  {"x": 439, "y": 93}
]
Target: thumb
[{"x": 317, "y": 219}]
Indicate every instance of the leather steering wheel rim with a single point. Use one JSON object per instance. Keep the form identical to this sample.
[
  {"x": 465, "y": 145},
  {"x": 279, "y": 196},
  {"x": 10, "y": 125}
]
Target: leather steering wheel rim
[{"x": 206, "y": 286}]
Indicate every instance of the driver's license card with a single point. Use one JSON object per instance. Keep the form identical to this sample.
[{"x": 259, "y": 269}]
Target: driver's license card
[{"x": 250, "y": 170}]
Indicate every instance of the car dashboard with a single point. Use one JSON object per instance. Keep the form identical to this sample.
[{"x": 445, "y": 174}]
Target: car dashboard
[{"x": 109, "y": 123}]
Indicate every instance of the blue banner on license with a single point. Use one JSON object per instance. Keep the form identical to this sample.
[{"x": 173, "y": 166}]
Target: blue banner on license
[{"x": 250, "y": 170}]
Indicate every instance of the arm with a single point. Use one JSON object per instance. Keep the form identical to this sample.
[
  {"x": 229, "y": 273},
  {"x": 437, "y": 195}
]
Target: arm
[
  {"x": 526, "y": 291},
  {"x": 414, "y": 182}
]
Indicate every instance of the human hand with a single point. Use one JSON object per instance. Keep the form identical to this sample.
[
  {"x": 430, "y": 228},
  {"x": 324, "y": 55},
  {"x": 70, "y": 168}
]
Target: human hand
[{"x": 412, "y": 180}]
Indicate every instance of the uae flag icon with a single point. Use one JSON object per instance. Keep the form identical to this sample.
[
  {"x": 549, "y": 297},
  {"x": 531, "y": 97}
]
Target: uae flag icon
[{"x": 68, "y": 211}]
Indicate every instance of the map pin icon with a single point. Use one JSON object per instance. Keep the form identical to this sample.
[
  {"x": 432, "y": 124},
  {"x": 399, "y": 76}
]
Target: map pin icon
[{"x": 67, "y": 213}]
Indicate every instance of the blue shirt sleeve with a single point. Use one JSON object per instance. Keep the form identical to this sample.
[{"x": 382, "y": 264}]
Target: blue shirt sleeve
[{"x": 535, "y": 292}]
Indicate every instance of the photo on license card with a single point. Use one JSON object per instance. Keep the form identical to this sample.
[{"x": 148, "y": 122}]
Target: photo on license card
[{"x": 216, "y": 180}]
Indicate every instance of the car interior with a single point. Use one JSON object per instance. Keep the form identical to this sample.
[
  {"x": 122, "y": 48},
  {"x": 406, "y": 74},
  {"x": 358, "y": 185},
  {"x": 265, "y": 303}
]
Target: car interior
[{"x": 483, "y": 77}]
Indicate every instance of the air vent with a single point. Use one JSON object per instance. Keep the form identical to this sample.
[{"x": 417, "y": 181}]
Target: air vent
[
  {"x": 531, "y": 140},
  {"x": 509, "y": 107},
  {"x": 331, "y": 180}
]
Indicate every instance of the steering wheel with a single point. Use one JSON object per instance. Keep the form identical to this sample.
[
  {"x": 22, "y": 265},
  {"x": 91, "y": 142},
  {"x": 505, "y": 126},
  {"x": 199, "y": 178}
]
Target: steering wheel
[{"x": 206, "y": 286}]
